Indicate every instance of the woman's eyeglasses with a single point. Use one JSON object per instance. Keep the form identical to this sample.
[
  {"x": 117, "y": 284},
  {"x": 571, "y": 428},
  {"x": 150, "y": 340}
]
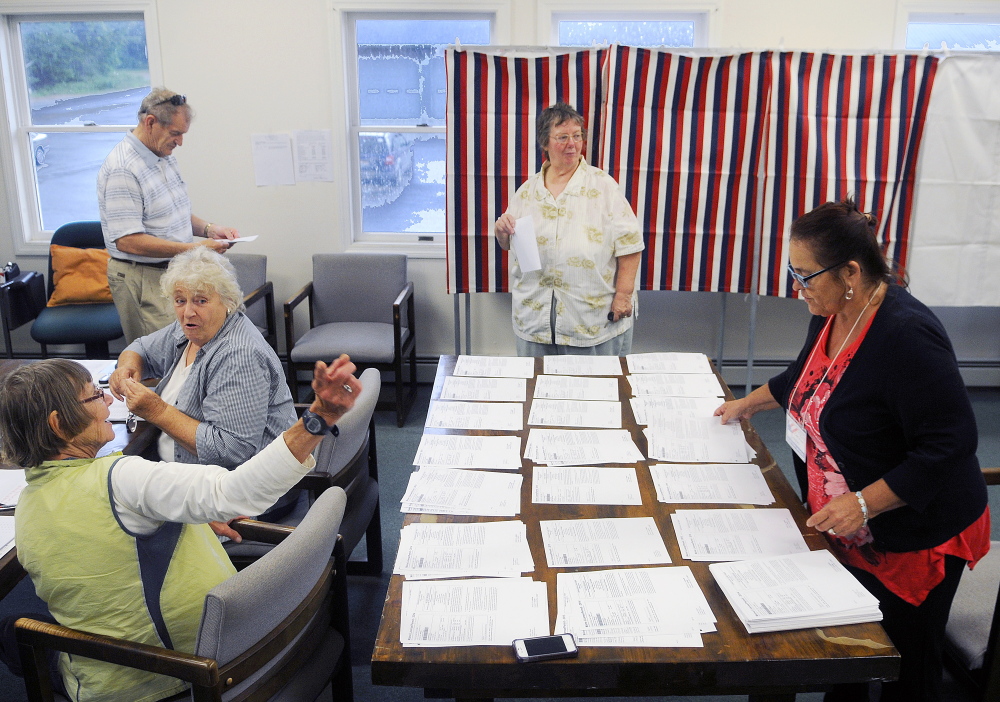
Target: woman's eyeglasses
[
  {"x": 98, "y": 396},
  {"x": 566, "y": 138},
  {"x": 803, "y": 280}
]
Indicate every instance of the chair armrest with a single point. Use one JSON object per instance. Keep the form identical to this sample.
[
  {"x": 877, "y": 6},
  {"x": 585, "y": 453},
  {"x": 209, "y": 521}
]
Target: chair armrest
[
  {"x": 188, "y": 667},
  {"x": 265, "y": 292},
  {"x": 992, "y": 476},
  {"x": 315, "y": 482},
  {"x": 265, "y": 532},
  {"x": 260, "y": 293},
  {"x": 290, "y": 306},
  {"x": 405, "y": 295}
]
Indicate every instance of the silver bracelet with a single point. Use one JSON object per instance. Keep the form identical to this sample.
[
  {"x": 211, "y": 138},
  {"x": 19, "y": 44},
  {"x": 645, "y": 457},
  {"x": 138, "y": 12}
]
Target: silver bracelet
[{"x": 864, "y": 508}]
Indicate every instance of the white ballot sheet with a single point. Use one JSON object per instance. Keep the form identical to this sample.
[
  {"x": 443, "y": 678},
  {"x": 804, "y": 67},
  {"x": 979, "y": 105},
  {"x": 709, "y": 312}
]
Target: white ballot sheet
[
  {"x": 525, "y": 245},
  {"x": 676, "y": 385},
  {"x": 499, "y": 416},
  {"x": 567, "y": 447},
  {"x": 568, "y": 387},
  {"x": 495, "y": 366},
  {"x": 487, "y": 549},
  {"x": 453, "y": 451},
  {"x": 653, "y": 410},
  {"x": 476, "y": 612},
  {"x": 698, "y": 440},
  {"x": 582, "y": 365},
  {"x": 584, "y": 485},
  {"x": 805, "y": 590},
  {"x": 574, "y": 413},
  {"x": 722, "y": 483},
  {"x": 11, "y": 484},
  {"x": 6, "y": 535},
  {"x": 654, "y": 607},
  {"x": 455, "y": 491},
  {"x": 736, "y": 534},
  {"x": 603, "y": 542},
  {"x": 484, "y": 389},
  {"x": 668, "y": 362}
]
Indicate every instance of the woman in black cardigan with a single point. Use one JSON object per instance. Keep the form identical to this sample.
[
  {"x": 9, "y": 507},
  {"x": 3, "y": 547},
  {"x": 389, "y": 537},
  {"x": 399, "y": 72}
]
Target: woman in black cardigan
[{"x": 883, "y": 436}]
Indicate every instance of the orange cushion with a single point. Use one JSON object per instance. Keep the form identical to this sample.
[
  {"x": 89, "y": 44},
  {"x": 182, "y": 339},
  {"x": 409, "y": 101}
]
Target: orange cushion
[{"x": 79, "y": 275}]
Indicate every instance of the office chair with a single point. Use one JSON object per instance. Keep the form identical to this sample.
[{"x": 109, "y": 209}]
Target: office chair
[
  {"x": 348, "y": 461},
  {"x": 356, "y": 306},
  {"x": 971, "y": 637},
  {"x": 258, "y": 291},
  {"x": 92, "y": 324},
  {"x": 277, "y": 630}
]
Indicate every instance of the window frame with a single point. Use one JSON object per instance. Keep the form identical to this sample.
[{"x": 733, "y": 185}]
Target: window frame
[
  {"x": 345, "y": 16},
  {"x": 703, "y": 12},
  {"x": 16, "y": 156},
  {"x": 943, "y": 12}
]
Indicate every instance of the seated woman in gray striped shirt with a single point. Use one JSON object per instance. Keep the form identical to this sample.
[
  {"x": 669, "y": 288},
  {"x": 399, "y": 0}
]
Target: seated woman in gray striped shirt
[{"x": 222, "y": 395}]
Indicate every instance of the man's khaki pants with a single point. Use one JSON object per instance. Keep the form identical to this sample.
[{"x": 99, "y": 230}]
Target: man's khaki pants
[{"x": 142, "y": 306}]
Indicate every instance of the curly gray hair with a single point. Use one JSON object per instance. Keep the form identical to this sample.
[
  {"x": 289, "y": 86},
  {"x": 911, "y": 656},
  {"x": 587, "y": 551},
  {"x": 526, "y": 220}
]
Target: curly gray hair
[{"x": 201, "y": 270}]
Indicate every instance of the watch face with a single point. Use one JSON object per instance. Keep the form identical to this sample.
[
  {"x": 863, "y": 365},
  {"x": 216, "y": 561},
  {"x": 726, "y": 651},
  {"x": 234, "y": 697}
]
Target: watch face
[{"x": 313, "y": 424}]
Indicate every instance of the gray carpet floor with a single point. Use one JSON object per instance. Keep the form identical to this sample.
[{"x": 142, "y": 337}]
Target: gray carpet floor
[{"x": 396, "y": 448}]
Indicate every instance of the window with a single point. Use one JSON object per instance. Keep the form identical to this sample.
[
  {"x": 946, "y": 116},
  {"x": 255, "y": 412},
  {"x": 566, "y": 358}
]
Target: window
[
  {"x": 675, "y": 30},
  {"x": 398, "y": 120},
  {"x": 77, "y": 84},
  {"x": 957, "y": 31}
]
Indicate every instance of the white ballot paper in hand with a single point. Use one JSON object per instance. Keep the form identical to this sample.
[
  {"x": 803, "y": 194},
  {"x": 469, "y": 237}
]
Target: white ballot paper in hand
[{"x": 525, "y": 245}]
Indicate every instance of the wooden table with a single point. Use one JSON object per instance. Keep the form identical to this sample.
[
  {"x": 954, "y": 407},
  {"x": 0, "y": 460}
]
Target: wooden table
[
  {"x": 768, "y": 667},
  {"x": 132, "y": 444}
]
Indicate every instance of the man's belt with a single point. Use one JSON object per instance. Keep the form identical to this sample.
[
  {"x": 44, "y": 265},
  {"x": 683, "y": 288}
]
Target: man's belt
[{"x": 161, "y": 264}]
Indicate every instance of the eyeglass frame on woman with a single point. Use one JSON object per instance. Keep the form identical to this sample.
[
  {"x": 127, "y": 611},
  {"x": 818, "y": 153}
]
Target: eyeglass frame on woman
[
  {"x": 565, "y": 138},
  {"x": 97, "y": 396},
  {"x": 803, "y": 280}
]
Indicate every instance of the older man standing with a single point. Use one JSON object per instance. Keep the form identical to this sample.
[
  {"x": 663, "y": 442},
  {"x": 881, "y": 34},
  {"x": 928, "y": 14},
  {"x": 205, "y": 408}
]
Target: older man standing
[{"x": 146, "y": 214}]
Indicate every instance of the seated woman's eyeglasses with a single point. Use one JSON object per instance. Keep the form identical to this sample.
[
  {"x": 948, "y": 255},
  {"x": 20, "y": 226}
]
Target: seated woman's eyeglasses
[
  {"x": 99, "y": 395},
  {"x": 803, "y": 280},
  {"x": 565, "y": 138}
]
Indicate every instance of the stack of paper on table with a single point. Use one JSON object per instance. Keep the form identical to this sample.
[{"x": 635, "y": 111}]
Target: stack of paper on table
[
  {"x": 582, "y": 365},
  {"x": 660, "y": 409},
  {"x": 495, "y": 416},
  {"x": 477, "y": 612},
  {"x": 567, "y": 447},
  {"x": 603, "y": 542},
  {"x": 469, "y": 492},
  {"x": 723, "y": 483},
  {"x": 569, "y": 387},
  {"x": 801, "y": 591},
  {"x": 573, "y": 413},
  {"x": 584, "y": 485},
  {"x": 485, "y": 549},
  {"x": 484, "y": 389},
  {"x": 495, "y": 366},
  {"x": 11, "y": 484},
  {"x": 457, "y": 451},
  {"x": 698, "y": 440},
  {"x": 6, "y": 534},
  {"x": 676, "y": 385},
  {"x": 633, "y": 607},
  {"x": 667, "y": 362},
  {"x": 736, "y": 534}
]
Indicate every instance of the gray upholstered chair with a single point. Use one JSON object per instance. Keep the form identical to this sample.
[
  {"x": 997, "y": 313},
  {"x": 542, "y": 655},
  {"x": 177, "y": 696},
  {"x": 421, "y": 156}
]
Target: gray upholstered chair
[
  {"x": 348, "y": 461},
  {"x": 258, "y": 293},
  {"x": 356, "y": 306},
  {"x": 973, "y": 632},
  {"x": 277, "y": 630}
]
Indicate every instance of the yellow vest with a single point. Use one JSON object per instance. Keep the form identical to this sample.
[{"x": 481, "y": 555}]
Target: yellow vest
[{"x": 96, "y": 577}]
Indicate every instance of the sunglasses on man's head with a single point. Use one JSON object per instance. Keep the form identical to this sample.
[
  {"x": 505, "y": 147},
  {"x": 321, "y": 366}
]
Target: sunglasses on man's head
[{"x": 175, "y": 100}]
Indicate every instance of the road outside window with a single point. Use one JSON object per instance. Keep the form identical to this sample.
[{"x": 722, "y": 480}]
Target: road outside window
[{"x": 79, "y": 78}]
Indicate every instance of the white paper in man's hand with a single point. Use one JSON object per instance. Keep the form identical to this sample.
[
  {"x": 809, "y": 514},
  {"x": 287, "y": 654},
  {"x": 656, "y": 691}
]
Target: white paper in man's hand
[{"x": 525, "y": 245}]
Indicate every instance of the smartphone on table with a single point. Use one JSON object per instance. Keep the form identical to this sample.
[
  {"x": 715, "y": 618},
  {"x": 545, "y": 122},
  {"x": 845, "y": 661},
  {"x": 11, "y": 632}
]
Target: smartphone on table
[{"x": 541, "y": 648}]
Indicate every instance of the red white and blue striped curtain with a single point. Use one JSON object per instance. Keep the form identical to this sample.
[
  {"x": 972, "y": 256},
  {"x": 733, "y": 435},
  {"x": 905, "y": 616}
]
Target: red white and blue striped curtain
[
  {"x": 842, "y": 125},
  {"x": 696, "y": 143},
  {"x": 492, "y": 104},
  {"x": 684, "y": 136}
]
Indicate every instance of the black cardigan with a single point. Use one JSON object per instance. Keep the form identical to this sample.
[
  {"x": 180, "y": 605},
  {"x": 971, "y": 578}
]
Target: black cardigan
[{"x": 901, "y": 412}]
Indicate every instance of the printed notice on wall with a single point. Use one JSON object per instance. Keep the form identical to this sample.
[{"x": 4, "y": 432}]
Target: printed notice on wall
[
  {"x": 272, "y": 159},
  {"x": 313, "y": 161}
]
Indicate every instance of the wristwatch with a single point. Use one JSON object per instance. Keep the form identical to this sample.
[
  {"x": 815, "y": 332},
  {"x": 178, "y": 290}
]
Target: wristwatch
[{"x": 316, "y": 425}]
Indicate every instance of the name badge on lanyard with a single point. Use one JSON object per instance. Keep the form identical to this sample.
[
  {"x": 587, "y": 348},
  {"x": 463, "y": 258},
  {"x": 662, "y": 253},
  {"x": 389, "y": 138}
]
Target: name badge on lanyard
[{"x": 795, "y": 436}]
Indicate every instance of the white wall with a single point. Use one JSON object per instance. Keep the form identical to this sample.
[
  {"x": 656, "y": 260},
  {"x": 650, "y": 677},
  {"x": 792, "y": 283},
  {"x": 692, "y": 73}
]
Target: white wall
[{"x": 250, "y": 66}]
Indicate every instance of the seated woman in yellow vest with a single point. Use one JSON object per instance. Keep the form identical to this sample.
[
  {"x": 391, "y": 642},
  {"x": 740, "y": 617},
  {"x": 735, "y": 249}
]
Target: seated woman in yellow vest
[{"x": 118, "y": 545}]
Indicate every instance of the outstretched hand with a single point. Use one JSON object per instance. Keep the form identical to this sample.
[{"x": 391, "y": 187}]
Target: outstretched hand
[{"x": 336, "y": 388}]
